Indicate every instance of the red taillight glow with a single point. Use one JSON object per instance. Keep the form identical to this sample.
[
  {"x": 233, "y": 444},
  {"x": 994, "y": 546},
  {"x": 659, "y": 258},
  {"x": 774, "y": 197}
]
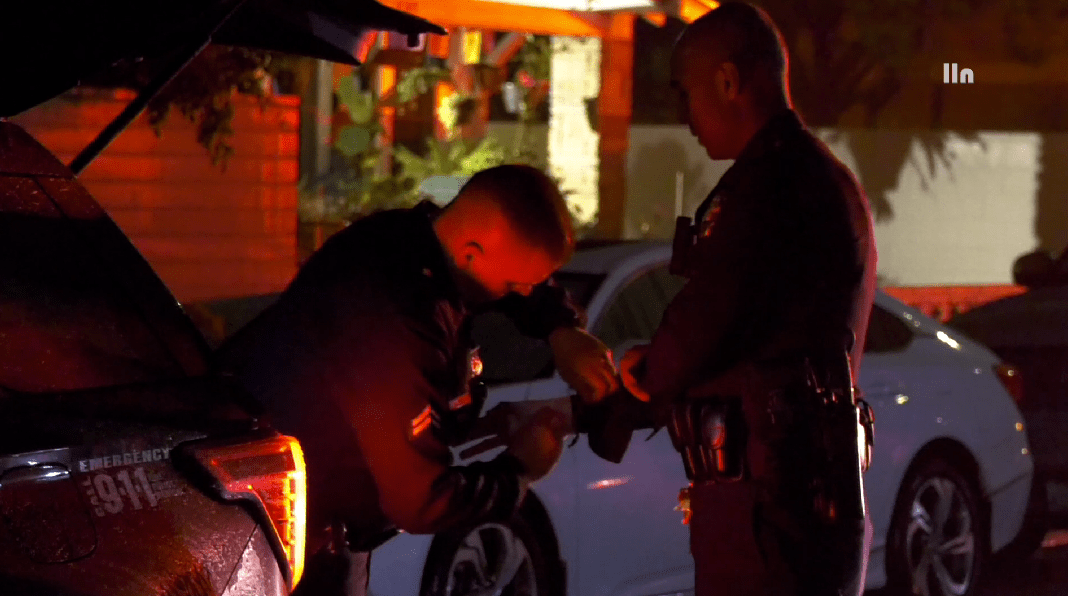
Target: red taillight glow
[
  {"x": 272, "y": 470},
  {"x": 1010, "y": 377}
]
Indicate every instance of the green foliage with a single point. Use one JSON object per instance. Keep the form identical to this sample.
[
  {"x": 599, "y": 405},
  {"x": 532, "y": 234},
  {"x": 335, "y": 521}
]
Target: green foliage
[
  {"x": 204, "y": 91},
  {"x": 369, "y": 189},
  {"x": 535, "y": 57},
  {"x": 419, "y": 81},
  {"x": 455, "y": 157}
]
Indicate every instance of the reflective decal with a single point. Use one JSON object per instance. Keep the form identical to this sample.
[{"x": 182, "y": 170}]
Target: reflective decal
[
  {"x": 131, "y": 488},
  {"x": 124, "y": 459},
  {"x": 460, "y": 402}
]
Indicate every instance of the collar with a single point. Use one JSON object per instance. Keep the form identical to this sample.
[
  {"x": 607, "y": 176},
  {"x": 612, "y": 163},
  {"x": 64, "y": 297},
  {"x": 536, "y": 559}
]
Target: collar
[
  {"x": 771, "y": 135},
  {"x": 432, "y": 256},
  {"x": 766, "y": 140}
]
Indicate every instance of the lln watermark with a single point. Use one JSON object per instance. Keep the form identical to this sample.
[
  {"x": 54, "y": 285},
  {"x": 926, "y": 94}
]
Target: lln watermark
[{"x": 950, "y": 74}]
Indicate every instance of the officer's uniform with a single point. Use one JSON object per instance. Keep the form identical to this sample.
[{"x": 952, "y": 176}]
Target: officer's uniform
[
  {"x": 781, "y": 265},
  {"x": 365, "y": 360}
]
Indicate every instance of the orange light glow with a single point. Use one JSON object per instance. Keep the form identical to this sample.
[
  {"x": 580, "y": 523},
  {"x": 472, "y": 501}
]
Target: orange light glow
[
  {"x": 498, "y": 16},
  {"x": 691, "y": 10},
  {"x": 472, "y": 43},
  {"x": 387, "y": 84},
  {"x": 439, "y": 46},
  {"x": 657, "y": 18},
  {"x": 443, "y": 94},
  {"x": 272, "y": 470},
  {"x": 368, "y": 41},
  {"x": 942, "y": 302}
]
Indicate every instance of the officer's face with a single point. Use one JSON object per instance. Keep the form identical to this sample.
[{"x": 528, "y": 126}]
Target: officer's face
[
  {"x": 504, "y": 263},
  {"x": 703, "y": 86}
]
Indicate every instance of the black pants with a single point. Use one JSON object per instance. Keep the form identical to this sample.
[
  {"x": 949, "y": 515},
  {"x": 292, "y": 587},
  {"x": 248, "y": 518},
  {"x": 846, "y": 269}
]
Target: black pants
[
  {"x": 744, "y": 545},
  {"x": 335, "y": 573}
]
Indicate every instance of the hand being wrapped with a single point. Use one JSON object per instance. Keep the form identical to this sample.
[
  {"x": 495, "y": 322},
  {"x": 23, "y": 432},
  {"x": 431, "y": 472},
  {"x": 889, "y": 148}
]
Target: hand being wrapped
[
  {"x": 585, "y": 363},
  {"x": 539, "y": 443},
  {"x": 533, "y": 432}
]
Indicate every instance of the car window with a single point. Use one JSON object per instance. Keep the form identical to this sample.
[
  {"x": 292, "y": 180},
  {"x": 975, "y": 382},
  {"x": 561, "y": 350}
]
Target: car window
[
  {"x": 64, "y": 323},
  {"x": 508, "y": 356},
  {"x": 886, "y": 332},
  {"x": 635, "y": 311}
]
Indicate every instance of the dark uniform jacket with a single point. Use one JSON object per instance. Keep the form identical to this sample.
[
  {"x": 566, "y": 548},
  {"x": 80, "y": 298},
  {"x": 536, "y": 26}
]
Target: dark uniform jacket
[
  {"x": 369, "y": 334},
  {"x": 783, "y": 266}
]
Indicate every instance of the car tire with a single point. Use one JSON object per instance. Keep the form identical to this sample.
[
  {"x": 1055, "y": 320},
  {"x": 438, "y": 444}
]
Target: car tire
[
  {"x": 938, "y": 535},
  {"x": 511, "y": 558}
]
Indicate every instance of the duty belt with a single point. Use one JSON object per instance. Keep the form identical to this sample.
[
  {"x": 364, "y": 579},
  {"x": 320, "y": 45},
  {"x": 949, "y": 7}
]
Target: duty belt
[
  {"x": 709, "y": 428},
  {"x": 711, "y": 436}
]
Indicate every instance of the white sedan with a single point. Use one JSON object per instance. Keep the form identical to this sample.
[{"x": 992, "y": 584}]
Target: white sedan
[{"x": 949, "y": 483}]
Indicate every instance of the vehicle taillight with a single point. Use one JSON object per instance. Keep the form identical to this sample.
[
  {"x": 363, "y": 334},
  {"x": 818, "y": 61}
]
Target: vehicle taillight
[
  {"x": 272, "y": 471},
  {"x": 1011, "y": 379}
]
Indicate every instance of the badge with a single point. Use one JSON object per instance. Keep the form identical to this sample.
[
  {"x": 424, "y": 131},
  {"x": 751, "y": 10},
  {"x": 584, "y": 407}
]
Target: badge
[
  {"x": 684, "y": 505},
  {"x": 474, "y": 365},
  {"x": 709, "y": 220}
]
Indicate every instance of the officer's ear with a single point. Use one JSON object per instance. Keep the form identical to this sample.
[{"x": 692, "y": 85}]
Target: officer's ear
[
  {"x": 470, "y": 251},
  {"x": 727, "y": 81}
]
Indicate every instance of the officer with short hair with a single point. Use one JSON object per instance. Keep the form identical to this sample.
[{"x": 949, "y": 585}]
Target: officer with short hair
[
  {"x": 753, "y": 366},
  {"x": 366, "y": 360}
]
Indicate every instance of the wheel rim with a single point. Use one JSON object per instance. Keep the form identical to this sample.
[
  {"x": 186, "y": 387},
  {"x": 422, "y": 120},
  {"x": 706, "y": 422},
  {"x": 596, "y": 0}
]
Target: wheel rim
[
  {"x": 491, "y": 561},
  {"x": 940, "y": 545}
]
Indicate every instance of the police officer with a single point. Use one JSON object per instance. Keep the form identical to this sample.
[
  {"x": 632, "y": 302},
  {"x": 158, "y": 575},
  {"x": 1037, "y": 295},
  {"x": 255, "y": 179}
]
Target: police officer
[
  {"x": 750, "y": 368},
  {"x": 365, "y": 359}
]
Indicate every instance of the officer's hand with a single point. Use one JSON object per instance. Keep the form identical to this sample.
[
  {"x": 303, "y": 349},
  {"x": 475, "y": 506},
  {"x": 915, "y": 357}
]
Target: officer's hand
[
  {"x": 539, "y": 443},
  {"x": 630, "y": 360},
  {"x": 585, "y": 363}
]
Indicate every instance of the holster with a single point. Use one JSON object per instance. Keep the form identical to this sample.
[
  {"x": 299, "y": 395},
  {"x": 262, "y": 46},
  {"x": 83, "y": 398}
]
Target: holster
[
  {"x": 805, "y": 418},
  {"x": 711, "y": 436},
  {"x": 837, "y": 483}
]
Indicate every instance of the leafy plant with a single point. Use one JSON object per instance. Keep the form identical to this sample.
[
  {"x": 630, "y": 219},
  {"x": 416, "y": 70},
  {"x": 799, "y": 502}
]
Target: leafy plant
[
  {"x": 204, "y": 91},
  {"x": 368, "y": 189},
  {"x": 419, "y": 81},
  {"x": 454, "y": 157}
]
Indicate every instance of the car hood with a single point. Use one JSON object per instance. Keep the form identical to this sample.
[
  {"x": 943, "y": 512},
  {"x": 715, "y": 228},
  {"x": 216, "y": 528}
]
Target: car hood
[{"x": 48, "y": 46}]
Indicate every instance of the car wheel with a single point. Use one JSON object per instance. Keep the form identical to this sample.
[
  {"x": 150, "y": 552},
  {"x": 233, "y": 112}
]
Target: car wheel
[
  {"x": 492, "y": 559},
  {"x": 938, "y": 533}
]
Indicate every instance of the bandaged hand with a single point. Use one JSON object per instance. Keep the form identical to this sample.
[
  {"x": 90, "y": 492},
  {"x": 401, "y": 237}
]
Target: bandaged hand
[
  {"x": 539, "y": 443},
  {"x": 628, "y": 372}
]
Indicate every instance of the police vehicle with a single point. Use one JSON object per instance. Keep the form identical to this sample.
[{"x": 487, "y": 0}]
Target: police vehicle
[{"x": 125, "y": 468}]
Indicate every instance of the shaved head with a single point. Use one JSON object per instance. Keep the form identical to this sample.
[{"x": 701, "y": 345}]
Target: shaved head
[
  {"x": 741, "y": 34},
  {"x": 507, "y": 231},
  {"x": 528, "y": 200},
  {"x": 729, "y": 68}
]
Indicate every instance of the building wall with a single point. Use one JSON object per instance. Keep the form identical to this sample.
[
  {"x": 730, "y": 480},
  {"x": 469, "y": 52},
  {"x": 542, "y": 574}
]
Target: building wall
[
  {"x": 209, "y": 233},
  {"x": 958, "y": 222}
]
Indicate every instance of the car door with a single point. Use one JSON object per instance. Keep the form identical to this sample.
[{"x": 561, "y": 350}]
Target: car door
[{"x": 632, "y": 541}]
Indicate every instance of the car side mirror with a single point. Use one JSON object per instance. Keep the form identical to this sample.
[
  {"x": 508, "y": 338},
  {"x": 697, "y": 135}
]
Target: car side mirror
[{"x": 1034, "y": 269}]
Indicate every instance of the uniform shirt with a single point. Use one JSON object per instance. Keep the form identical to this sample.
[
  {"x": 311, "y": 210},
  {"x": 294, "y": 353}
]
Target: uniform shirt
[
  {"x": 369, "y": 334},
  {"x": 783, "y": 265}
]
